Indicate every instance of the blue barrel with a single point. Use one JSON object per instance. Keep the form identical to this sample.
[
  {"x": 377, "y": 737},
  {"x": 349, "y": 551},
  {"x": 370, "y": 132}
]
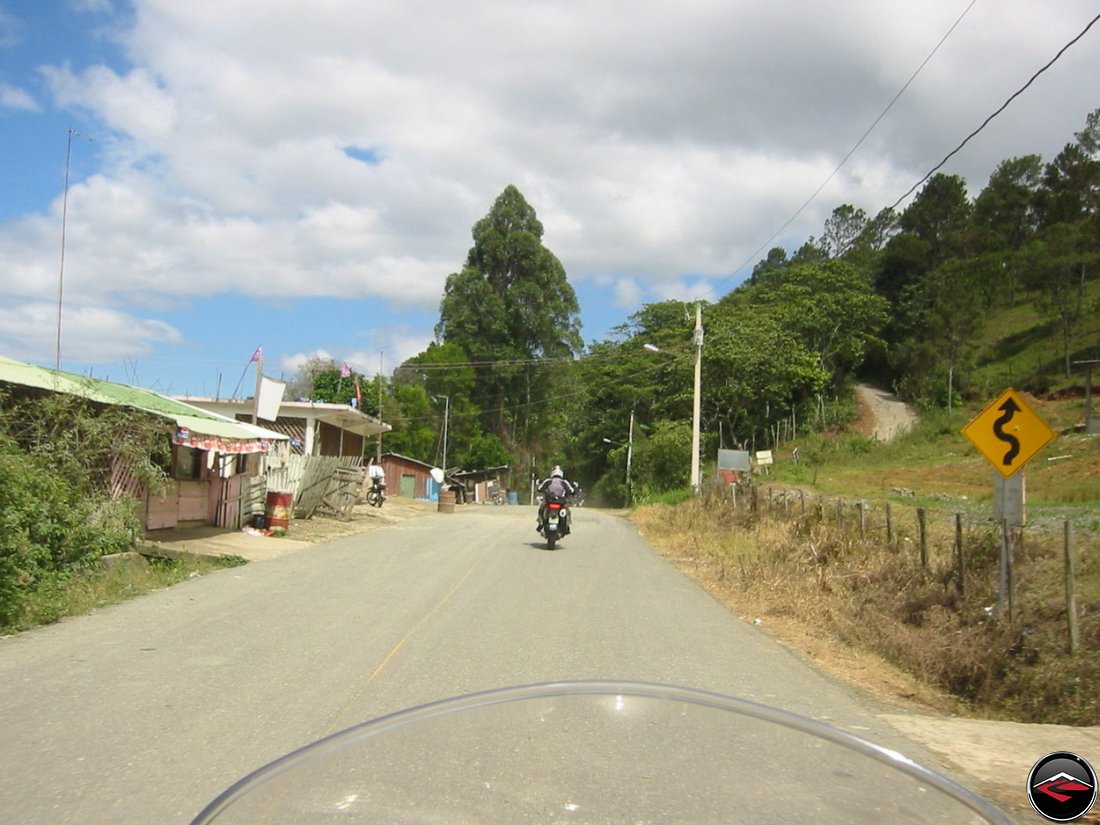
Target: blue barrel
[{"x": 513, "y": 497}]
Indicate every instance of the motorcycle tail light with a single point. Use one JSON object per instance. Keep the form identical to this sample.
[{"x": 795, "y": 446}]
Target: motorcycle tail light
[{"x": 554, "y": 505}]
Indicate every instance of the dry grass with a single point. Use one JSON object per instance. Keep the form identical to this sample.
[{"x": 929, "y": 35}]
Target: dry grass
[{"x": 871, "y": 613}]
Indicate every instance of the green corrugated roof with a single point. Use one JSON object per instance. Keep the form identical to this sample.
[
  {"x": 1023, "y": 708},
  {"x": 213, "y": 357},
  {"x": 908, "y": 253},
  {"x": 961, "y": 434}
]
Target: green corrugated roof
[{"x": 106, "y": 392}]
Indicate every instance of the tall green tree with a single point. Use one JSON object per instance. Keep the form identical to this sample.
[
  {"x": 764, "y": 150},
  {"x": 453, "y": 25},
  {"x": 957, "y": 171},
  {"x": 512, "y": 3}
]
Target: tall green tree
[
  {"x": 513, "y": 312},
  {"x": 843, "y": 230}
]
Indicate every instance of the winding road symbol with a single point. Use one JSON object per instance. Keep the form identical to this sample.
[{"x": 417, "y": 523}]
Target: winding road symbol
[
  {"x": 1008, "y": 433},
  {"x": 1010, "y": 408}
]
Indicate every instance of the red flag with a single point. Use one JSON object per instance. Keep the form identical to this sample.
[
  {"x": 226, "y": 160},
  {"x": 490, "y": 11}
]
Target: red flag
[{"x": 257, "y": 355}]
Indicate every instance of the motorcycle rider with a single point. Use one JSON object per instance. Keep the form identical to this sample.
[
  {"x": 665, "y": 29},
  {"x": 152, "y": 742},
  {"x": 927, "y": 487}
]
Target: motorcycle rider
[{"x": 557, "y": 487}]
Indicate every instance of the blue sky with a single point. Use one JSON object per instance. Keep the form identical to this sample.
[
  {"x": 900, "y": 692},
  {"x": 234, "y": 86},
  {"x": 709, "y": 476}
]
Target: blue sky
[{"x": 305, "y": 176}]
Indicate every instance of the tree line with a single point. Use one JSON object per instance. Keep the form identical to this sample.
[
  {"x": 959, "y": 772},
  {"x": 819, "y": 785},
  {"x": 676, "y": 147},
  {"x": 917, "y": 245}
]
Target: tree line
[{"x": 900, "y": 297}]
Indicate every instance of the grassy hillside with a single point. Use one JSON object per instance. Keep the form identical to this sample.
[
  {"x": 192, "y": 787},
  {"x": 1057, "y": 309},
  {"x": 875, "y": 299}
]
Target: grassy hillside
[{"x": 1020, "y": 346}]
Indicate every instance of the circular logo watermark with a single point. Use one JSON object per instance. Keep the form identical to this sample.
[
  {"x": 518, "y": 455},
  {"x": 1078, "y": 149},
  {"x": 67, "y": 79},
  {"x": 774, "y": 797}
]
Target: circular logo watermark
[{"x": 1061, "y": 787}]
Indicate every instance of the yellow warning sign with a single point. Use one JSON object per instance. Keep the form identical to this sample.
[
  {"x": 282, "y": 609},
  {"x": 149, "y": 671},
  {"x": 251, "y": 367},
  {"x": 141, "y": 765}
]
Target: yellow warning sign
[{"x": 1008, "y": 433}]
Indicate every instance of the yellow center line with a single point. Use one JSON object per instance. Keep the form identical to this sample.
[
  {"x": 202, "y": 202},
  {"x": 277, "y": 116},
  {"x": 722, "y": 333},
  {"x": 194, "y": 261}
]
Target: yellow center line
[{"x": 400, "y": 644}]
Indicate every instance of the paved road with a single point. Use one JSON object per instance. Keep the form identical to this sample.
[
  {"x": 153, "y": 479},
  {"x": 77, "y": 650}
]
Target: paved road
[{"x": 145, "y": 711}]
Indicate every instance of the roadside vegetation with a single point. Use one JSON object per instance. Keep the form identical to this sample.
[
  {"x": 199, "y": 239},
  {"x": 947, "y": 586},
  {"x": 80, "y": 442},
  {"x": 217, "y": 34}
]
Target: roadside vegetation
[
  {"x": 813, "y": 565},
  {"x": 58, "y": 517}
]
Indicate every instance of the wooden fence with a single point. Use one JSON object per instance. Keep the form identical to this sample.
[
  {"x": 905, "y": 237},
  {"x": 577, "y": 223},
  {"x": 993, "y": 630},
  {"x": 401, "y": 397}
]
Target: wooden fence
[
  {"x": 904, "y": 527},
  {"x": 310, "y": 478}
]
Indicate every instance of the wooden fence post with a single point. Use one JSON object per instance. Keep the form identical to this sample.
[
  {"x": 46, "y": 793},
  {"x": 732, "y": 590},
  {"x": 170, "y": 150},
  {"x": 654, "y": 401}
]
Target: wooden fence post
[
  {"x": 1071, "y": 588},
  {"x": 862, "y": 520},
  {"x": 802, "y": 500},
  {"x": 839, "y": 513},
  {"x": 921, "y": 529},
  {"x": 959, "y": 554},
  {"x": 889, "y": 526}
]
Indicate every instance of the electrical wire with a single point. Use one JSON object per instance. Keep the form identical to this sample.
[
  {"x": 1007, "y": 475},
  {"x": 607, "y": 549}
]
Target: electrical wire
[
  {"x": 1002, "y": 107},
  {"x": 851, "y": 151}
]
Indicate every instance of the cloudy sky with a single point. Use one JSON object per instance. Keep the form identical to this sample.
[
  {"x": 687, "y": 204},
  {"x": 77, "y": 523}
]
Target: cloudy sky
[{"x": 304, "y": 176}]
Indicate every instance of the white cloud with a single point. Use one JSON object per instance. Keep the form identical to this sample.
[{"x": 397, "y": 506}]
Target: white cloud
[
  {"x": 13, "y": 98},
  {"x": 669, "y": 142},
  {"x": 103, "y": 334}
]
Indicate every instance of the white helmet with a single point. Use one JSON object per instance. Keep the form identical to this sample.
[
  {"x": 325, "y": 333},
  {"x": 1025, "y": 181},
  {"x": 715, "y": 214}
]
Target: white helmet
[{"x": 556, "y": 472}]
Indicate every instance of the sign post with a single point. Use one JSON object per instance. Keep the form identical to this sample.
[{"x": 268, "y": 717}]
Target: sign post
[{"x": 1009, "y": 435}]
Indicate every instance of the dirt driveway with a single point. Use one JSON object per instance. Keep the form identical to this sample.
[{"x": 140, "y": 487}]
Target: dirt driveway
[{"x": 882, "y": 415}]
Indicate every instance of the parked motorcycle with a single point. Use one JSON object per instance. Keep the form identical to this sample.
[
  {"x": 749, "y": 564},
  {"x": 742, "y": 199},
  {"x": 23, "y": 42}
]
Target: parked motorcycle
[
  {"x": 376, "y": 495},
  {"x": 556, "y": 521},
  {"x": 596, "y": 752}
]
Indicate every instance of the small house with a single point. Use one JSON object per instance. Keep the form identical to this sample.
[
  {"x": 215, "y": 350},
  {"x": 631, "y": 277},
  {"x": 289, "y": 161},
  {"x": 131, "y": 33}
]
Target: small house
[
  {"x": 314, "y": 428},
  {"x": 487, "y": 486},
  {"x": 217, "y": 465},
  {"x": 409, "y": 478}
]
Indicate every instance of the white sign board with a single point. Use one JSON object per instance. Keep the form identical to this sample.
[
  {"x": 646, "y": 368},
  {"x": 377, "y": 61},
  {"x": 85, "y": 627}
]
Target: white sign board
[{"x": 764, "y": 458}]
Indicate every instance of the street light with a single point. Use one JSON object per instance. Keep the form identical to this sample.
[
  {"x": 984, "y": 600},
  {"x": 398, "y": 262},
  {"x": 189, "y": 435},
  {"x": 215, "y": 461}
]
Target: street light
[
  {"x": 629, "y": 452},
  {"x": 64, "y": 219}
]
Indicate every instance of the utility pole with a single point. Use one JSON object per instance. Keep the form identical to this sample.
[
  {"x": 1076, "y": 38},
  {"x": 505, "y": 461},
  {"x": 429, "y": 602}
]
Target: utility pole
[
  {"x": 378, "y": 449},
  {"x": 629, "y": 452},
  {"x": 446, "y": 422},
  {"x": 697, "y": 401},
  {"x": 259, "y": 383}
]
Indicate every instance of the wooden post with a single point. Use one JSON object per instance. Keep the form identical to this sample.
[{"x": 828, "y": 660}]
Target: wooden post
[
  {"x": 802, "y": 500},
  {"x": 921, "y": 529},
  {"x": 959, "y": 555},
  {"x": 1071, "y": 588},
  {"x": 733, "y": 496},
  {"x": 889, "y": 526},
  {"x": 862, "y": 519},
  {"x": 839, "y": 513}
]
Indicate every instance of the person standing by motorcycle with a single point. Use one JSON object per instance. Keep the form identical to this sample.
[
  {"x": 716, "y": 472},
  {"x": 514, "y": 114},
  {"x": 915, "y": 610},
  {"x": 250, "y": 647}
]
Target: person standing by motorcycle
[
  {"x": 556, "y": 487},
  {"x": 377, "y": 475}
]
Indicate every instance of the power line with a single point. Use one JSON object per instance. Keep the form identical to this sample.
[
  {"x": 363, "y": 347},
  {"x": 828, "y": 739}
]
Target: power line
[
  {"x": 851, "y": 151},
  {"x": 1003, "y": 106}
]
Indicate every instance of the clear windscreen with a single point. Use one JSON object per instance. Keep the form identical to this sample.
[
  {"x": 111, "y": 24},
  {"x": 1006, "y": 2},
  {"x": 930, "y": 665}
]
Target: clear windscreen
[{"x": 595, "y": 753}]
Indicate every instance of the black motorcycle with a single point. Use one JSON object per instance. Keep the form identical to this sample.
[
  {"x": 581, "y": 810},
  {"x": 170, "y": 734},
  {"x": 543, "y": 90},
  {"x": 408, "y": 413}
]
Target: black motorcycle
[
  {"x": 376, "y": 495},
  {"x": 556, "y": 520}
]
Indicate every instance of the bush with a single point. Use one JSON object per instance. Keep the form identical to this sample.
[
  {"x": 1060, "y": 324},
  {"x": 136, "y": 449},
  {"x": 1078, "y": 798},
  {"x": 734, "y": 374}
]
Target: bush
[
  {"x": 56, "y": 514},
  {"x": 47, "y": 527}
]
